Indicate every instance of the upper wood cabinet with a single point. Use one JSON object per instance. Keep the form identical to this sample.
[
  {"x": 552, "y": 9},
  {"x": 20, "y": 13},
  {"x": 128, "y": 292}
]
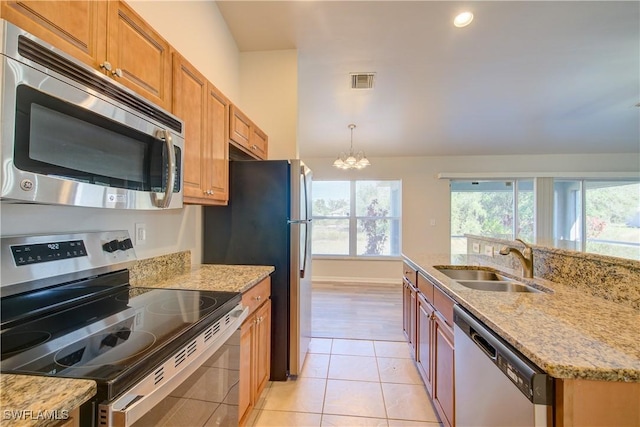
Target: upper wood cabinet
[
  {"x": 246, "y": 136},
  {"x": 205, "y": 111},
  {"x": 140, "y": 58},
  {"x": 79, "y": 28},
  {"x": 106, "y": 35}
]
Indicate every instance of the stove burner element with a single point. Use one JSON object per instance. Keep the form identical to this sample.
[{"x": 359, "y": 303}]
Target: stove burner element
[
  {"x": 105, "y": 349},
  {"x": 182, "y": 304},
  {"x": 15, "y": 342}
]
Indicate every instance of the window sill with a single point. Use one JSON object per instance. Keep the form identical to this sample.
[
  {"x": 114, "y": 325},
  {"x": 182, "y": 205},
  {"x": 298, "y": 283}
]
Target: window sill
[{"x": 357, "y": 258}]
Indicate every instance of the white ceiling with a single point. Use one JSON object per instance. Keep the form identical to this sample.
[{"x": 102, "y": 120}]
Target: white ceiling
[{"x": 537, "y": 77}]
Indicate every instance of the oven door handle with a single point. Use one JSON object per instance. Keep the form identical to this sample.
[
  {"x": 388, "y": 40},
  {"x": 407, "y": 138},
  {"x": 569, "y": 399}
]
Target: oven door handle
[{"x": 141, "y": 398}]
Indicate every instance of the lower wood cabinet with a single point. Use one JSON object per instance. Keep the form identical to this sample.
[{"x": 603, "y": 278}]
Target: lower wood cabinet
[
  {"x": 428, "y": 326},
  {"x": 443, "y": 361},
  {"x": 255, "y": 348},
  {"x": 424, "y": 350}
]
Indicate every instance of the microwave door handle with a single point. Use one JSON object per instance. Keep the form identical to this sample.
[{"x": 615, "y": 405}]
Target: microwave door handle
[{"x": 168, "y": 192}]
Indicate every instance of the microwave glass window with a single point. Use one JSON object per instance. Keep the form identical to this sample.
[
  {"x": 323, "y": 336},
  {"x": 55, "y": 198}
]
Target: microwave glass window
[{"x": 61, "y": 140}]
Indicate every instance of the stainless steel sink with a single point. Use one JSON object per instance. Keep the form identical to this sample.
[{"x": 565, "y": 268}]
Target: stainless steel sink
[
  {"x": 471, "y": 274},
  {"x": 495, "y": 286}
]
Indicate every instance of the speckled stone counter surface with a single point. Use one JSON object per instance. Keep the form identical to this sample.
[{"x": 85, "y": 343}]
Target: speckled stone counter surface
[
  {"x": 32, "y": 401},
  {"x": 566, "y": 332},
  {"x": 212, "y": 277}
]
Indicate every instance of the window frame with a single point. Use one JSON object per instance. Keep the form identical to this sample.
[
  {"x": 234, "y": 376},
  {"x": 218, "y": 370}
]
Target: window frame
[{"x": 353, "y": 219}]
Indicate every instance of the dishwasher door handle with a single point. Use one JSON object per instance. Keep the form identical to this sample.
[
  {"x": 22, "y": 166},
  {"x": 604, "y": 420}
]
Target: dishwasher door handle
[{"x": 484, "y": 345}]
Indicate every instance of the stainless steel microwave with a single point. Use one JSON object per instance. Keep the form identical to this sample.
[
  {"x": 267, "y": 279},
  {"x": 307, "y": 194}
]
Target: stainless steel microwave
[{"x": 72, "y": 136}]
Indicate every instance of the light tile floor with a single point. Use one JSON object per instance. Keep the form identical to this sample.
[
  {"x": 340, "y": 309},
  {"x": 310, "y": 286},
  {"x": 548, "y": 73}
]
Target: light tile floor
[{"x": 349, "y": 383}]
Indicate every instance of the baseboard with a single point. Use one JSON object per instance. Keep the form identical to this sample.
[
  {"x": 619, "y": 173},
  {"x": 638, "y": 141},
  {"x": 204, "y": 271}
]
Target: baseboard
[{"x": 370, "y": 280}]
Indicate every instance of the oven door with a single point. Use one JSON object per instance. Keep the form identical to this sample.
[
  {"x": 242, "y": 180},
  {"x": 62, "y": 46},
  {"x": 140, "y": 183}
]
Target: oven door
[{"x": 193, "y": 387}]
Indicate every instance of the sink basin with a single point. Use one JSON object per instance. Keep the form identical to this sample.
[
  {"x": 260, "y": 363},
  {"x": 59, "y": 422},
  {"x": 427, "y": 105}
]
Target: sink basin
[
  {"x": 496, "y": 286},
  {"x": 472, "y": 274}
]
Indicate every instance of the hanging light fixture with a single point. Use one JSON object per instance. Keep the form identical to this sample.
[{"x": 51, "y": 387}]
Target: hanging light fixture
[{"x": 352, "y": 160}]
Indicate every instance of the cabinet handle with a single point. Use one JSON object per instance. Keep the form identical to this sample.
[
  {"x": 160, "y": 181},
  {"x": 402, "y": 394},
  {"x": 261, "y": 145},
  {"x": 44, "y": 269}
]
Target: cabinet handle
[
  {"x": 258, "y": 298},
  {"x": 117, "y": 72},
  {"x": 254, "y": 147},
  {"x": 106, "y": 65}
]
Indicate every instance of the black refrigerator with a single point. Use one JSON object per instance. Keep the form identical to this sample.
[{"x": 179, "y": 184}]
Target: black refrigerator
[{"x": 268, "y": 222}]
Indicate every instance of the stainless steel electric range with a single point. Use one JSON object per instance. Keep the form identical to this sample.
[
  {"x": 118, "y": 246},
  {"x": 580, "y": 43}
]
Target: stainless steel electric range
[{"x": 67, "y": 310}]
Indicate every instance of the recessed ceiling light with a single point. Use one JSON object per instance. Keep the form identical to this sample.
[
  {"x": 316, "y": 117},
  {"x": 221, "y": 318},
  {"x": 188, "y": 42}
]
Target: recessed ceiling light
[{"x": 463, "y": 19}]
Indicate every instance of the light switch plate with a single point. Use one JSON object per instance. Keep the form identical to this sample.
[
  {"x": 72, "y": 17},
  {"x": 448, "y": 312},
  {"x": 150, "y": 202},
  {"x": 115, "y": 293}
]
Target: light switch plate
[{"x": 488, "y": 250}]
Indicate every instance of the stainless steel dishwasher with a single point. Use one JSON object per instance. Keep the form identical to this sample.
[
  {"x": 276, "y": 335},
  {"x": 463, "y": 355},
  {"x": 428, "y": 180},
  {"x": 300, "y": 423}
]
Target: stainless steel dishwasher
[{"x": 495, "y": 385}]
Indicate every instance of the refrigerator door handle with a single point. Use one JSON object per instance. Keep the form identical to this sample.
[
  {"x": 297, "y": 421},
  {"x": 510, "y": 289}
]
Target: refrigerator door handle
[
  {"x": 299, "y": 221},
  {"x": 308, "y": 221}
]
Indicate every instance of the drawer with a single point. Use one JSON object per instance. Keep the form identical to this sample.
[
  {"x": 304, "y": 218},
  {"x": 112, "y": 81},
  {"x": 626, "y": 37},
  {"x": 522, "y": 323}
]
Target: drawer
[
  {"x": 426, "y": 287},
  {"x": 443, "y": 304},
  {"x": 409, "y": 272},
  {"x": 256, "y": 296}
]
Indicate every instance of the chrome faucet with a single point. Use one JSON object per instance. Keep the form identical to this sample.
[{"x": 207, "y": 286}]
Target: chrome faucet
[{"x": 525, "y": 257}]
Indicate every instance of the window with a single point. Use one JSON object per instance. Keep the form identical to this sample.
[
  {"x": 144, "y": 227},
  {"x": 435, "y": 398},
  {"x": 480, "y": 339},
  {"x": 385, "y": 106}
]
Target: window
[
  {"x": 501, "y": 209},
  {"x": 599, "y": 216},
  {"x": 356, "y": 218}
]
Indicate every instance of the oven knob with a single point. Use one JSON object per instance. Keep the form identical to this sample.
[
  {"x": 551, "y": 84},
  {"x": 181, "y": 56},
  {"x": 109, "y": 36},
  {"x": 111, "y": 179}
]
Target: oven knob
[
  {"x": 109, "y": 341},
  {"x": 123, "y": 334},
  {"x": 111, "y": 246},
  {"x": 125, "y": 244}
]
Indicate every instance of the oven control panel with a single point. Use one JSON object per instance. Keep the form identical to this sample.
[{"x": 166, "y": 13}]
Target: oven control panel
[
  {"x": 39, "y": 261},
  {"x": 43, "y": 252}
]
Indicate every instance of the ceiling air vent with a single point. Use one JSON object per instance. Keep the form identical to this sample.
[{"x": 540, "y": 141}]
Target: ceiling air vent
[{"x": 362, "y": 80}]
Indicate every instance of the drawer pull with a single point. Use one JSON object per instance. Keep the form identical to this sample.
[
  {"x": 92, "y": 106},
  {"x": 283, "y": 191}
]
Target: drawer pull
[{"x": 258, "y": 298}]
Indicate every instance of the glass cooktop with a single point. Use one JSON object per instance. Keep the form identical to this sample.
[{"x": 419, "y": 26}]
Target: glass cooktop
[{"x": 111, "y": 336}]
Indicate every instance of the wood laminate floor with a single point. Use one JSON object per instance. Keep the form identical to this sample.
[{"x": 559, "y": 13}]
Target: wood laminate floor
[{"x": 357, "y": 311}]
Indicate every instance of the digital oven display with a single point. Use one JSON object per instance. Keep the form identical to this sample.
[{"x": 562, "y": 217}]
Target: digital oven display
[{"x": 44, "y": 252}]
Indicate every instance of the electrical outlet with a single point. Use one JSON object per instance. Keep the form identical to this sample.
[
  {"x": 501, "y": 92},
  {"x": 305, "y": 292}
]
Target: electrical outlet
[
  {"x": 488, "y": 250},
  {"x": 433, "y": 222},
  {"x": 476, "y": 248},
  {"x": 140, "y": 233}
]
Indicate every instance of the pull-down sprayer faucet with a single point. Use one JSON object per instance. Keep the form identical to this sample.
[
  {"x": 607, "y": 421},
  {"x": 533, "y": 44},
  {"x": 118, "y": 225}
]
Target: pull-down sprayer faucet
[{"x": 525, "y": 257}]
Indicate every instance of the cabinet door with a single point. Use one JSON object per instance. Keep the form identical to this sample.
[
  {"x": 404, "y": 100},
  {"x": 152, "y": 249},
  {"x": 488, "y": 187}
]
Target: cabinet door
[
  {"x": 141, "y": 55},
  {"x": 239, "y": 128},
  {"x": 424, "y": 342},
  {"x": 263, "y": 347},
  {"x": 259, "y": 142},
  {"x": 78, "y": 28},
  {"x": 443, "y": 382},
  {"x": 406, "y": 310},
  {"x": 413, "y": 308},
  {"x": 190, "y": 103},
  {"x": 216, "y": 160},
  {"x": 246, "y": 362}
]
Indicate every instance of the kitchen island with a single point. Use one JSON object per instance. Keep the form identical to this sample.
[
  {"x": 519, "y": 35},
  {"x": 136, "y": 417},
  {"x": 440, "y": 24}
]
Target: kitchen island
[
  {"x": 42, "y": 401},
  {"x": 589, "y": 345}
]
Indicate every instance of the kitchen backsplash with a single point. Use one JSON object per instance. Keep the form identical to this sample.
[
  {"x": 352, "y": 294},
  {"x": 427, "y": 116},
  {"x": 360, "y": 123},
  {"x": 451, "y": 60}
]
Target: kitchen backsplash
[
  {"x": 159, "y": 268},
  {"x": 611, "y": 278}
]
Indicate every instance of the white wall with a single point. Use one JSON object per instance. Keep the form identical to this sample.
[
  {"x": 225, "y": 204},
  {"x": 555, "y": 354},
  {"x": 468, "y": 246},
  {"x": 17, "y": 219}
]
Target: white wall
[
  {"x": 269, "y": 96},
  {"x": 425, "y": 197},
  {"x": 216, "y": 55}
]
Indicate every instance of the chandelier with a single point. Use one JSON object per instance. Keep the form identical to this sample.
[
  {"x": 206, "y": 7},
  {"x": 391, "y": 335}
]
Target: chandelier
[{"x": 352, "y": 160}]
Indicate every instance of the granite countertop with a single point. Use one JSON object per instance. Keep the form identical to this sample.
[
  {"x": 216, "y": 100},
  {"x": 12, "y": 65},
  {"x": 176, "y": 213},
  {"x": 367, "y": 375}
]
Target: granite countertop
[
  {"x": 567, "y": 333},
  {"x": 212, "y": 277},
  {"x": 28, "y": 397},
  {"x": 36, "y": 401}
]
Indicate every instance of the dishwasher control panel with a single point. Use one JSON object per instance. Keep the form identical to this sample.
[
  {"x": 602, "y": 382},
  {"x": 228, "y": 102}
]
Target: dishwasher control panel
[{"x": 520, "y": 380}]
